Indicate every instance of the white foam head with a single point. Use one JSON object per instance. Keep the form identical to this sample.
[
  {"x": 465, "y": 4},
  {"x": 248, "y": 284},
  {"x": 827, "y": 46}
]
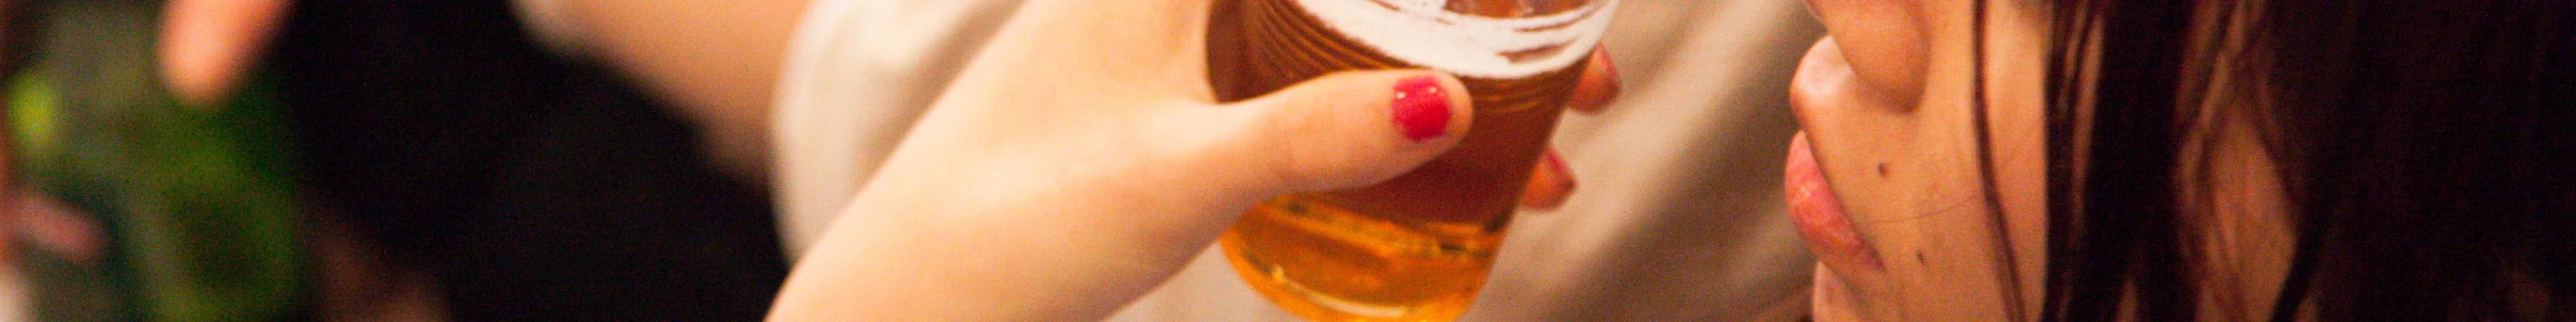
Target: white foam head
[{"x": 1422, "y": 32}]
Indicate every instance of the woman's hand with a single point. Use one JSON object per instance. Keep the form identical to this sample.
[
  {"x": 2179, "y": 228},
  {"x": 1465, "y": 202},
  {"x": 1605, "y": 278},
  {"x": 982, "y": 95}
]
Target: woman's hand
[{"x": 1082, "y": 159}]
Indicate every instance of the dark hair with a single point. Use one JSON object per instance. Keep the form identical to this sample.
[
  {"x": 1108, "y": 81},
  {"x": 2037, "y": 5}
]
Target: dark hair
[{"x": 2425, "y": 148}]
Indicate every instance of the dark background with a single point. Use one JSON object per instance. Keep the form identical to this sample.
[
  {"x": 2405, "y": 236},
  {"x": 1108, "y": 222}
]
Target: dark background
[{"x": 531, "y": 186}]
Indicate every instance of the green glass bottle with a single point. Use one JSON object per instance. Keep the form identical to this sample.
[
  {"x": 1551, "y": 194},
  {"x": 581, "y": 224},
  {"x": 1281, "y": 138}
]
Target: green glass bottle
[{"x": 196, "y": 204}]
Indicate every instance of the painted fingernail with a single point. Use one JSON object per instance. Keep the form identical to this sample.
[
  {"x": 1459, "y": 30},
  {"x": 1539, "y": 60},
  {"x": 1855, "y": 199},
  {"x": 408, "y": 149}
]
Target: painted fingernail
[
  {"x": 1565, "y": 178},
  {"x": 1550, "y": 183},
  {"x": 1609, "y": 71},
  {"x": 1597, "y": 90},
  {"x": 1421, "y": 107}
]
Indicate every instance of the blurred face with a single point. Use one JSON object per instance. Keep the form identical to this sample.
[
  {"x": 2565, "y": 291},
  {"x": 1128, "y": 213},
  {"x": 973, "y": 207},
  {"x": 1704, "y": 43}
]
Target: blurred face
[
  {"x": 1936, "y": 157},
  {"x": 1920, "y": 176}
]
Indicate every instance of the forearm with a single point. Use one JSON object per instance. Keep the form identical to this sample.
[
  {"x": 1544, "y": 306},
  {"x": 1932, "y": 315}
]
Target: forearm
[
  {"x": 945, "y": 269},
  {"x": 1080, "y": 161},
  {"x": 959, "y": 250}
]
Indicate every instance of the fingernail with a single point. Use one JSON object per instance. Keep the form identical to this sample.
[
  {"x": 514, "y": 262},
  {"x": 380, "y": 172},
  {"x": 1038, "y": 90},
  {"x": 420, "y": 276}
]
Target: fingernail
[
  {"x": 1421, "y": 107},
  {"x": 1566, "y": 177},
  {"x": 1550, "y": 184},
  {"x": 1611, "y": 71},
  {"x": 1594, "y": 94}
]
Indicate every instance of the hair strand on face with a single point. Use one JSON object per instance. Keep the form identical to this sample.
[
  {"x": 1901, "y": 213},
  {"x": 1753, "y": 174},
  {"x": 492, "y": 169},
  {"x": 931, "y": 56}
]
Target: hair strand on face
[{"x": 2006, "y": 273}]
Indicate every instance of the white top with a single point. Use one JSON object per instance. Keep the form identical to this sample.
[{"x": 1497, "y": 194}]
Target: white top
[{"x": 1677, "y": 214}]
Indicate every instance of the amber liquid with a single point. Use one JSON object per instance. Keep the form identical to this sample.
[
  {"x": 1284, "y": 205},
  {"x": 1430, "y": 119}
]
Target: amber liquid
[{"x": 1414, "y": 248}]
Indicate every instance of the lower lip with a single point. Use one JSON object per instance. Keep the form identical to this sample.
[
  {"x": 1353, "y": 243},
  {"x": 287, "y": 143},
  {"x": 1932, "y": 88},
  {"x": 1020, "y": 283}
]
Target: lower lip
[{"x": 1818, "y": 214}]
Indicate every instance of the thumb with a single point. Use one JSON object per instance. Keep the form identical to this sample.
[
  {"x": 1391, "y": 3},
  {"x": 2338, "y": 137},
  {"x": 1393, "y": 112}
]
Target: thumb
[
  {"x": 207, "y": 45},
  {"x": 1354, "y": 128}
]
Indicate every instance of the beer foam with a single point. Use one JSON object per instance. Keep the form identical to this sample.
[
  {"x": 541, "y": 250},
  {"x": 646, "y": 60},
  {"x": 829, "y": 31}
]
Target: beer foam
[{"x": 1424, "y": 33}]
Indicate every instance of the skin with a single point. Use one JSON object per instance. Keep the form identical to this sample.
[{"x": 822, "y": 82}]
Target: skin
[
  {"x": 979, "y": 177},
  {"x": 722, "y": 83},
  {"x": 989, "y": 211},
  {"x": 1896, "y": 202}
]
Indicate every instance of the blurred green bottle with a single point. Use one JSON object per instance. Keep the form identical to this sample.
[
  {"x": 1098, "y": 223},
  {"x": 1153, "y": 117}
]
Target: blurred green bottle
[{"x": 196, "y": 204}]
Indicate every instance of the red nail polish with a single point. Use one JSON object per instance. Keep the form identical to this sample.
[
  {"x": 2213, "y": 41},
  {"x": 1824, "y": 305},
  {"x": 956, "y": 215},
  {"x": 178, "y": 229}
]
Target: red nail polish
[
  {"x": 1421, "y": 107},
  {"x": 1608, "y": 71},
  {"x": 1595, "y": 91},
  {"x": 1557, "y": 163}
]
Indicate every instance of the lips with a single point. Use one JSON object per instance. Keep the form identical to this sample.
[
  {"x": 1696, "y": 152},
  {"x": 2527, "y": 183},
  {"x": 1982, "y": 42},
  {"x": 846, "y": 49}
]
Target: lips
[{"x": 1819, "y": 215}]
